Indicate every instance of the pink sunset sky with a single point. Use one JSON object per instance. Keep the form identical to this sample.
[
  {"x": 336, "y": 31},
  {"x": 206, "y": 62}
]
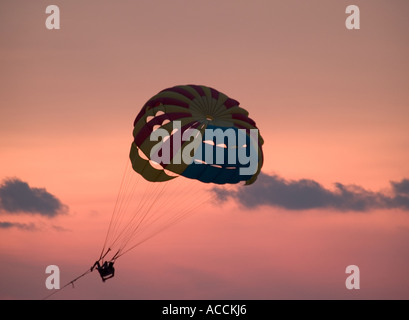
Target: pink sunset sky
[{"x": 332, "y": 105}]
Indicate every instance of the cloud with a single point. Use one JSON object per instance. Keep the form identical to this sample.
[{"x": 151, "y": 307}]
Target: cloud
[
  {"x": 31, "y": 226},
  {"x": 18, "y": 197},
  {"x": 274, "y": 191},
  {"x": 401, "y": 188},
  {"x": 59, "y": 228},
  {"x": 22, "y": 226}
]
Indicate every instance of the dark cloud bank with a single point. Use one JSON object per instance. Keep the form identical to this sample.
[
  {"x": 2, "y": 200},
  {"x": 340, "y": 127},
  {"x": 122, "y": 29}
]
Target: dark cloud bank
[
  {"x": 272, "y": 190},
  {"x": 22, "y": 226},
  {"x": 17, "y": 197}
]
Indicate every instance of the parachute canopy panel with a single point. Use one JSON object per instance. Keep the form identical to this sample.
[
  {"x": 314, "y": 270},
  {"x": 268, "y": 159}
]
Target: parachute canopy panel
[{"x": 185, "y": 114}]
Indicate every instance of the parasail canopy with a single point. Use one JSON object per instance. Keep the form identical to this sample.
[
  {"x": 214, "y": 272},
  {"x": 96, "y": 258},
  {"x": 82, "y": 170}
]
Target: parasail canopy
[{"x": 205, "y": 134}]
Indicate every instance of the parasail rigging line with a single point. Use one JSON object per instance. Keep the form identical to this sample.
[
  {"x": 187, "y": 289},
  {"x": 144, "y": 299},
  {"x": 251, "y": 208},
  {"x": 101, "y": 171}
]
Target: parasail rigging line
[{"x": 67, "y": 284}]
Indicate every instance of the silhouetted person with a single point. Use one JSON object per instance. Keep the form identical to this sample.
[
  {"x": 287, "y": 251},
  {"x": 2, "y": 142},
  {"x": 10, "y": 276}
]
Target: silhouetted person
[{"x": 106, "y": 271}]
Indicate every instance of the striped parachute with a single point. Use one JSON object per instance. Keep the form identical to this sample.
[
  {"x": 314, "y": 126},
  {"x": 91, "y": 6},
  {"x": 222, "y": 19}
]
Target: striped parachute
[
  {"x": 201, "y": 108},
  {"x": 179, "y": 119}
]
